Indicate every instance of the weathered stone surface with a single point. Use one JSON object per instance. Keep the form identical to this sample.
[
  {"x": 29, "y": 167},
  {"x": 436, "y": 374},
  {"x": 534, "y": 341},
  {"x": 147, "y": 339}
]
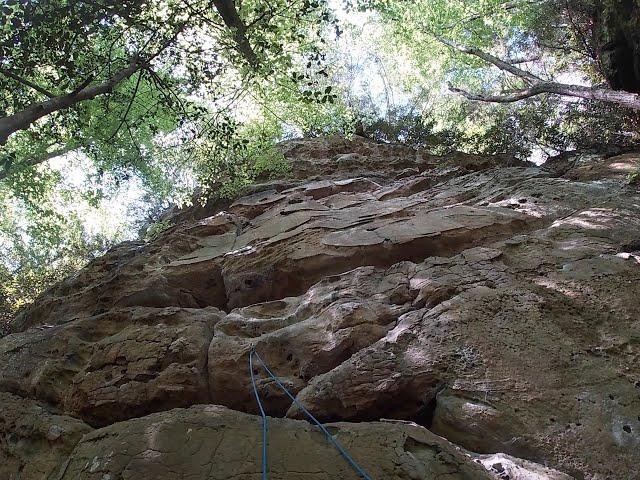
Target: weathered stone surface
[
  {"x": 117, "y": 365},
  {"x": 302, "y": 337},
  {"x": 489, "y": 301},
  {"x": 212, "y": 442},
  {"x": 593, "y": 166},
  {"x": 285, "y": 251},
  {"x": 532, "y": 351},
  {"x": 270, "y": 244},
  {"x": 33, "y": 441}
]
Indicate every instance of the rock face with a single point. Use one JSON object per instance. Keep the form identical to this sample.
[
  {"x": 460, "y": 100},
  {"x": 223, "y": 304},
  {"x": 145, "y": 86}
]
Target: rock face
[
  {"x": 34, "y": 440},
  {"x": 478, "y": 299},
  {"x": 113, "y": 366},
  {"x": 209, "y": 433}
]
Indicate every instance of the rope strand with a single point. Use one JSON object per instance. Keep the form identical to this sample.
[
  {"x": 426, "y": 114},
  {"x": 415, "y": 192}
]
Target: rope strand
[
  {"x": 326, "y": 432},
  {"x": 264, "y": 418}
]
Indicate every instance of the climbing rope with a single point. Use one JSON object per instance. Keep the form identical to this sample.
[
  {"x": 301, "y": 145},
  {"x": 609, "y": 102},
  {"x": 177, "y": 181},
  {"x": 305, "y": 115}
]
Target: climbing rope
[
  {"x": 264, "y": 417},
  {"x": 326, "y": 432}
]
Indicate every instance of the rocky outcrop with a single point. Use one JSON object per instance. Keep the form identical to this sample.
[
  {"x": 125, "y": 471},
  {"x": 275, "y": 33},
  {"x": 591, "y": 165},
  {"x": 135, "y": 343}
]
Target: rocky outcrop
[
  {"x": 113, "y": 366},
  {"x": 480, "y": 299},
  {"x": 206, "y": 434}
]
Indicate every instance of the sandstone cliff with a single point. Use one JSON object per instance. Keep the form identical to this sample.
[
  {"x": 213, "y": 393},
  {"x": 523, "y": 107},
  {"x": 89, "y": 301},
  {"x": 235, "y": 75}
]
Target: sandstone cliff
[{"x": 455, "y": 317}]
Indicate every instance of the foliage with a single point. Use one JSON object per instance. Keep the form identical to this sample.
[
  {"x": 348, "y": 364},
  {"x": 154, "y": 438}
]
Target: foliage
[
  {"x": 550, "y": 125},
  {"x": 547, "y": 126},
  {"x": 236, "y": 162},
  {"x": 488, "y": 24},
  {"x": 543, "y": 37},
  {"x": 154, "y": 230},
  {"x": 188, "y": 50},
  {"x": 201, "y": 91},
  {"x": 405, "y": 125},
  {"x": 40, "y": 244}
]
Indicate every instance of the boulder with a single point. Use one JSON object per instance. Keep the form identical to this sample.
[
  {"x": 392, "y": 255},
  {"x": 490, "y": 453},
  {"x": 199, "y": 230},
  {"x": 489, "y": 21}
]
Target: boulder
[{"x": 215, "y": 443}]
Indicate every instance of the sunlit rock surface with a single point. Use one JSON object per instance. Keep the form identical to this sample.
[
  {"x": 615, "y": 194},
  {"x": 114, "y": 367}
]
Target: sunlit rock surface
[{"x": 489, "y": 301}]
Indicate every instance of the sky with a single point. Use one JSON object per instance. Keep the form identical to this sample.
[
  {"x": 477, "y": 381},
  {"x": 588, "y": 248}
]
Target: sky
[{"x": 113, "y": 217}]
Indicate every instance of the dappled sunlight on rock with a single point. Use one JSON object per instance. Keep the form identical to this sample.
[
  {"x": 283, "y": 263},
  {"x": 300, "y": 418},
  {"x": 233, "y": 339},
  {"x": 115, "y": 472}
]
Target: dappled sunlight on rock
[
  {"x": 629, "y": 256},
  {"x": 221, "y": 444},
  {"x": 553, "y": 285},
  {"x": 595, "y": 219},
  {"x": 416, "y": 356}
]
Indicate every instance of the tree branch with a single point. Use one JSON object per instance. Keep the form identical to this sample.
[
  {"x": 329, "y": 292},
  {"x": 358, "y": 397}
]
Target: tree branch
[
  {"x": 26, "y": 82},
  {"x": 7, "y": 170},
  {"x": 24, "y": 118},
  {"x": 626, "y": 99},
  {"x": 503, "y": 6},
  {"x": 84, "y": 91},
  {"x": 126, "y": 113},
  {"x": 487, "y": 57},
  {"x": 538, "y": 86},
  {"x": 231, "y": 18},
  {"x": 517, "y": 61},
  {"x": 502, "y": 98}
]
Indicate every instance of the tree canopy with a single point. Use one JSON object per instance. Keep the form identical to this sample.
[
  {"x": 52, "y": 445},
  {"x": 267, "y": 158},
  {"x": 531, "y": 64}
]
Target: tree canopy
[{"x": 103, "y": 101}]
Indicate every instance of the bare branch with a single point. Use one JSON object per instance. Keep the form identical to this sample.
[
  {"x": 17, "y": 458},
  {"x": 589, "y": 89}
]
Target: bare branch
[
  {"x": 126, "y": 113},
  {"x": 566, "y": 48},
  {"x": 502, "y": 98},
  {"x": 626, "y": 99},
  {"x": 487, "y": 57},
  {"x": 538, "y": 86},
  {"x": 518, "y": 61}
]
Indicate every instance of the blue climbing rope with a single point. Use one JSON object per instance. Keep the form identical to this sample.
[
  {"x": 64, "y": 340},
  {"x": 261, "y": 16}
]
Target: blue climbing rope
[
  {"x": 264, "y": 417},
  {"x": 326, "y": 432}
]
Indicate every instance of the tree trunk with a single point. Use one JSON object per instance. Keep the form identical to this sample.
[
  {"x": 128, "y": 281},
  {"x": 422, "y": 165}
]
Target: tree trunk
[
  {"x": 616, "y": 38},
  {"x": 231, "y": 18}
]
